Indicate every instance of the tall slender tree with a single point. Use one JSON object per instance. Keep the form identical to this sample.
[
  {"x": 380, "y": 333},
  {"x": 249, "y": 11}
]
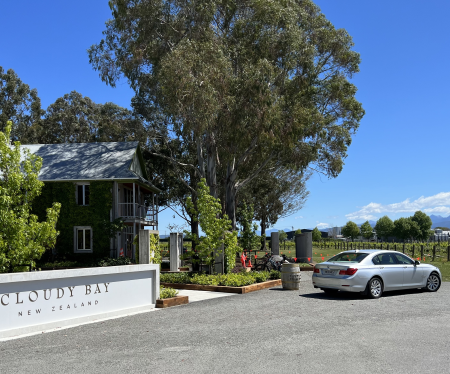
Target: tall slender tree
[{"x": 252, "y": 82}]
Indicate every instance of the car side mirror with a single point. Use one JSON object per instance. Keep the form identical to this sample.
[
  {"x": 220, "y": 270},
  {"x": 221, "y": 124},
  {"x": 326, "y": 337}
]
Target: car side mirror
[{"x": 416, "y": 263}]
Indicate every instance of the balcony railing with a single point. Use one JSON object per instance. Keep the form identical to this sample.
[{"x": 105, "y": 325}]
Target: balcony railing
[{"x": 130, "y": 210}]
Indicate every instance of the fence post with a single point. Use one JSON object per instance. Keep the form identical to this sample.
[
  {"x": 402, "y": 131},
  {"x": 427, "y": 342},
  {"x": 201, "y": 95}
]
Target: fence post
[
  {"x": 387, "y": 247},
  {"x": 414, "y": 247},
  {"x": 403, "y": 247},
  {"x": 421, "y": 252},
  {"x": 381, "y": 246},
  {"x": 448, "y": 252},
  {"x": 434, "y": 252}
]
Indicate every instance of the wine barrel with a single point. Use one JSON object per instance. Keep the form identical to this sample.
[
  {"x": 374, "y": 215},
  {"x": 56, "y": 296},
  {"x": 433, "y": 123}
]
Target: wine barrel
[{"x": 290, "y": 276}]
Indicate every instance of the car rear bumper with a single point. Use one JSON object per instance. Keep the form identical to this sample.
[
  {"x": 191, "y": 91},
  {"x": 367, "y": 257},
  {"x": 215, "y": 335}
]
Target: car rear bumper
[{"x": 342, "y": 284}]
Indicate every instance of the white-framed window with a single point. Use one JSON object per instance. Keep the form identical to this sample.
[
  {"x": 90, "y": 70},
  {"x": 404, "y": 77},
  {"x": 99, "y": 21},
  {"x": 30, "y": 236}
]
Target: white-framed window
[
  {"x": 82, "y": 194},
  {"x": 82, "y": 239}
]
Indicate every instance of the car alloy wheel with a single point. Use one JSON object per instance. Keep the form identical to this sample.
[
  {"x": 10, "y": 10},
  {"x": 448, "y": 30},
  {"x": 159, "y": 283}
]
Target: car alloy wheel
[
  {"x": 433, "y": 282},
  {"x": 375, "y": 288}
]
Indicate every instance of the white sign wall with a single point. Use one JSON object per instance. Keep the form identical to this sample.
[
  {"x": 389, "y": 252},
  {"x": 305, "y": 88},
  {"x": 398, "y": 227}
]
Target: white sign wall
[{"x": 37, "y": 301}]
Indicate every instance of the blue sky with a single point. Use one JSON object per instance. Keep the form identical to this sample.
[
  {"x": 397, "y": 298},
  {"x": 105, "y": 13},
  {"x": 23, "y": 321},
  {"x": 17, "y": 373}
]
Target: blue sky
[{"x": 396, "y": 164}]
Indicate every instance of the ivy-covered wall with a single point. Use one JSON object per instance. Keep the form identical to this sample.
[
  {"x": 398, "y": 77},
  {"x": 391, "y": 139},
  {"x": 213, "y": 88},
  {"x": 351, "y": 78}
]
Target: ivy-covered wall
[{"x": 94, "y": 215}]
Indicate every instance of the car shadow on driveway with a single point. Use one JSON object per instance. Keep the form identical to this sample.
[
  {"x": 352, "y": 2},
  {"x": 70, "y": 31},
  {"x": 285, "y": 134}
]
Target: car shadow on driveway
[{"x": 349, "y": 296}]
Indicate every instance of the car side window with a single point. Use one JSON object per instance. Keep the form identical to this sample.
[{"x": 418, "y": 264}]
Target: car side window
[
  {"x": 402, "y": 259},
  {"x": 376, "y": 260},
  {"x": 386, "y": 259}
]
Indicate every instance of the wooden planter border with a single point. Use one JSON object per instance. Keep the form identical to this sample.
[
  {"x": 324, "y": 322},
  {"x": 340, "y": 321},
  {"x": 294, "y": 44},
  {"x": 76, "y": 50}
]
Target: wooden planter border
[
  {"x": 172, "y": 301},
  {"x": 244, "y": 289}
]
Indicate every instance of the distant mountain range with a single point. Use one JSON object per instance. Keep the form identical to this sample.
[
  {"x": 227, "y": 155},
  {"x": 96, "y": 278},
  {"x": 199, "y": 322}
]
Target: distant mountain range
[{"x": 439, "y": 221}]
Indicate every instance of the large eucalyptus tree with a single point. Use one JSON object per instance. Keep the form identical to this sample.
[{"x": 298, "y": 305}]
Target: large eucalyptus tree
[{"x": 251, "y": 82}]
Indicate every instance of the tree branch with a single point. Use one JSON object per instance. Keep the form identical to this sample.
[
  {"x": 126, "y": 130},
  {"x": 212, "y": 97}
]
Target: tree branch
[{"x": 255, "y": 173}]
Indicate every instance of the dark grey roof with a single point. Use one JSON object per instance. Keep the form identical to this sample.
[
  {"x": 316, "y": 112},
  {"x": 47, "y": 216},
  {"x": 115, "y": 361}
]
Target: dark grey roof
[{"x": 87, "y": 161}]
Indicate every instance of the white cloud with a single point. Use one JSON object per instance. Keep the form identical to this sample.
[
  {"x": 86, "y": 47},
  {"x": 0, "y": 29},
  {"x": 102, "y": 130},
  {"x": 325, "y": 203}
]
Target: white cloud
[
  {"x": 439, "y": 203},
  {"x": 298, "y": 217},
  {"x": 322, "y": 225},
  {"x": 445, "y": 210}
]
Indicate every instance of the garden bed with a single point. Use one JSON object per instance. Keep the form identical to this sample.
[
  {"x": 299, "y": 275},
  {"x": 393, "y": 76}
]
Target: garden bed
[
  {"x": 172, "y": 301},
  {"x": 229, "y": 289}
]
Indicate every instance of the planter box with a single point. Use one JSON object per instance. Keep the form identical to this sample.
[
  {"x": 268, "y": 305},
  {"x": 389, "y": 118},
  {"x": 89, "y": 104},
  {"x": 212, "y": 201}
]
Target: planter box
[
  {"x": 172, "y": 301},
  {"x": 240, "y": 290}
]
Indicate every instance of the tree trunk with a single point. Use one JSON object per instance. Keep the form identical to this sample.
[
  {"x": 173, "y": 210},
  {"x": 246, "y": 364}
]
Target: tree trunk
[
  {"x": 211, "y": 172},
  {"x": 263, "y": 235},
  {"x": 200, "y": 158},
  {"x": 194, "y": 223},
  {"x": 230, "y": 196}
]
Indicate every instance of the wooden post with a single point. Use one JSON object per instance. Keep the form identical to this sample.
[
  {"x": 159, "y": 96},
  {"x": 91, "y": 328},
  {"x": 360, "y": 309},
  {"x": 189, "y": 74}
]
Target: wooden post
[
  {"x": 413, "y": 250},
  {"x": 403, "y": 247},
  {"x": 434, "y": 252},
  {"x": 395, "y": 247},
  {"x": 387, "y": 246},
  {"x": 421, "y": 252},
  {"x": 381, "y": 246},
  {"x": 448, "y": 252}
]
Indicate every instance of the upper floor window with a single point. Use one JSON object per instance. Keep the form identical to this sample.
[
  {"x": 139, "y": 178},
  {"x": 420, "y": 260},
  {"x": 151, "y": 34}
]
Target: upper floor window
[{"x": 83, "y": 194}]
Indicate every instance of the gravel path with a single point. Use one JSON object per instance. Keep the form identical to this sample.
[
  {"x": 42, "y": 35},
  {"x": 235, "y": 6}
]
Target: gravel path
[{"x": 266, "y": 331}]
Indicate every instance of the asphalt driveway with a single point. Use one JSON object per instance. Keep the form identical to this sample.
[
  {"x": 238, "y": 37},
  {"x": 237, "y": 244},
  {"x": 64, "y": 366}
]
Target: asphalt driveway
[{"x": 266, "y": 331}]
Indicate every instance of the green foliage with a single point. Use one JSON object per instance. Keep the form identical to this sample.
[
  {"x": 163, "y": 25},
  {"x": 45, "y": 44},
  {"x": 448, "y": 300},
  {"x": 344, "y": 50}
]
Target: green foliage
[
  {"x": 424, "y": 224},
  {"x": 366, "y": 230},
  {"x": 350, "y": 230},
  {"x": 19, "y": 104},
  {"x": 298, "y": 232},
  {"x": 384, "y": 227},
  {"x": 114, "y": 261},
  {"x": 23, "y": 239},
  {"x": 405, "y": 228},
  {"x": 240, "y": 102},
  {"x": 275, "y": 274},
  {"x": 415, "y": 227},
  {"x": 442, "y": 228},
  {"x": 231, "y": 280},
  {"x": 316, "y": 235},
  {"x": 215, "y": 229},
  {"x": 248, "y": 239},
  {"x": 167, "y": 292},
  {"x": 155, "y": 249},
  {"x": 205, "y": 279},
  {"x": 72, "y": 215},
  {"x": 282, "y": 236},
  {"x": 175, "y": 277}
]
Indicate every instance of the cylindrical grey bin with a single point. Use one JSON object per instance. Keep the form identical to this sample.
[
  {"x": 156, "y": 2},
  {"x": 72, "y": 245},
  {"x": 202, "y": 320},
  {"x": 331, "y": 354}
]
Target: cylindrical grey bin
[
  {"x": 290, "y": 276},
  {"x": 303, "y": 247}
]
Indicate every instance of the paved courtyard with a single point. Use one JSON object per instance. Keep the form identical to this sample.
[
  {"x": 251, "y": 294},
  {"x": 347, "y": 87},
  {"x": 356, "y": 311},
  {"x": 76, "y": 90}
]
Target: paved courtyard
[{"x": 266, "y": 331}]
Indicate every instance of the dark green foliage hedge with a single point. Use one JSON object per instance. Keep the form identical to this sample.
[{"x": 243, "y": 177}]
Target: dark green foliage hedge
[
  {"x": 94, "y": 215},
  {"x": 231, "y": 280}
]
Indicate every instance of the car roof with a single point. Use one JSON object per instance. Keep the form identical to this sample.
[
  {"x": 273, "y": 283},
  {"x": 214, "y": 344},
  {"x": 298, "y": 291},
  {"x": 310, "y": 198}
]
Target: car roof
[{"x": 370, "y": 251}]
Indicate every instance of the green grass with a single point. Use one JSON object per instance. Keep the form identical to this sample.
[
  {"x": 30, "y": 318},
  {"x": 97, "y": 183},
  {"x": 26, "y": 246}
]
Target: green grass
[{"x": 327, "y": 253}]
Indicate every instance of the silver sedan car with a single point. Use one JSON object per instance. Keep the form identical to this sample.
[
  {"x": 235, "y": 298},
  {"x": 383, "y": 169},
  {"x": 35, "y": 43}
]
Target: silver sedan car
[{"x": 373, "y": 271}]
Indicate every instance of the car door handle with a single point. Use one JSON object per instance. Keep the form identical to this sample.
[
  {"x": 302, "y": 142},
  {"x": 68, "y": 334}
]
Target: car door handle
[
  {"x": 405, "y": 267},
  {"x": 381, "y": 267}
]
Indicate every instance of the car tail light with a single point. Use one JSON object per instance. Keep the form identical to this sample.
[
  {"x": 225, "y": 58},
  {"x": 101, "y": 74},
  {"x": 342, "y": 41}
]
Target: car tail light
[
  {"x": 316, "y": 270},
  {"x": 349, "y": 271}
]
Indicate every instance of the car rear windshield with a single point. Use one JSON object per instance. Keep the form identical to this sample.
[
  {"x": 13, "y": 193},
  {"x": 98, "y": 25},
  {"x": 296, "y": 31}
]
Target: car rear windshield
[{"x": 348, "y": 257}]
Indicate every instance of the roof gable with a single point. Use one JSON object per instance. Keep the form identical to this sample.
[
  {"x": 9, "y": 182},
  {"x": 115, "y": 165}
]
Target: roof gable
[{"x": 87, "y": 161}]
